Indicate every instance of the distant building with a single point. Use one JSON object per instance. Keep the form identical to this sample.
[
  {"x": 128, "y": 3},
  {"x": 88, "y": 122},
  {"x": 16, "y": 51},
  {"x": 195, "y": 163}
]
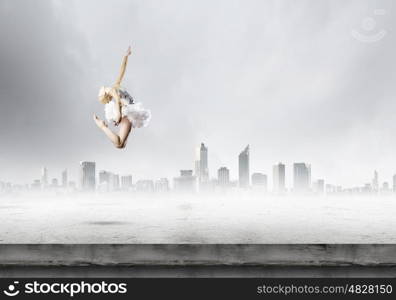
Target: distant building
[
  {"x": 146, "y": 186},
  {"x": 64, "y": 178},
  {"x": 54, "y": 183},
  {"x": 259, "y": 180},
  {"x": 244, "y": 169},
  {"x": 223, "y": 177},
  {"x": 385, "y": 187},
  {"x": 36, "y": 184},
  {"x": 87, "y": 175},
  {"x": 375, "y": 182},
  {"x": 44, "y": 177},
  {"x": 186, "y": 182},
  {"x": 114, "y": 182},
  {"x": 330, "y": 189},
  {"x": 201, "y": 164},
  {"x": 108, "y": 181},
  {"x": 162, "y": 185},
  {"x": 104, "y": 181},
  {"x": 394, "y": 183},
  {"x": 126, "y": 182},
  {"x": 367, "y": 188},
  {"x": 302, "y": 177},
  {"x": 319, "y": 186},
  {"x": 279, "y": 177},
  {"x": 104, "y": 177}
]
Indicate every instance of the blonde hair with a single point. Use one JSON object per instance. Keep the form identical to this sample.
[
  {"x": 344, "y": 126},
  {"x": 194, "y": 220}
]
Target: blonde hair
[{"x": 105, "y": 95}]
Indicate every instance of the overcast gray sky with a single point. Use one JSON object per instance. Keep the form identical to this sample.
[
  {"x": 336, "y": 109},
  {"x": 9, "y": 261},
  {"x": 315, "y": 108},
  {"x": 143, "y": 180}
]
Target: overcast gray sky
[{"x": 285, "y": 76}]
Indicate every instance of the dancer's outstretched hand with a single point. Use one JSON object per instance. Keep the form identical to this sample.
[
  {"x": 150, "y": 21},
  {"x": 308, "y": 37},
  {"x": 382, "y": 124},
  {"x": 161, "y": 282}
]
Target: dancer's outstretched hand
[{"x": 129, "y": 51}]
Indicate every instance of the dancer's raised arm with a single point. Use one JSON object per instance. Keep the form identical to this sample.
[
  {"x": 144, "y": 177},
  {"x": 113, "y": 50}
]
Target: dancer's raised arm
[{"x": 123, "y": 67}]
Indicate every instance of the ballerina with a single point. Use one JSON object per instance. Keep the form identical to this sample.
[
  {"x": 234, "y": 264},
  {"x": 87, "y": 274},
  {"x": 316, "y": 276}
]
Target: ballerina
[{"x": 121, "y": 109}]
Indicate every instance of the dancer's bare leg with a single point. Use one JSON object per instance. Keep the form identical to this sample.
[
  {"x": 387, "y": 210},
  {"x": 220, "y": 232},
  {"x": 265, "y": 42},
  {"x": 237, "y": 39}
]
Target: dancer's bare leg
[
  {"x": 119, "y": 140},
  {"x": 125, "y": 130}
]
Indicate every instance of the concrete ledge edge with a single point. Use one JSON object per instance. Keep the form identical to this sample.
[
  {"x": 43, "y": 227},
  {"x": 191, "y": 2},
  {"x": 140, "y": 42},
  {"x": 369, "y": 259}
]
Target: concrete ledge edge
[{"x": 375, "y": 255}]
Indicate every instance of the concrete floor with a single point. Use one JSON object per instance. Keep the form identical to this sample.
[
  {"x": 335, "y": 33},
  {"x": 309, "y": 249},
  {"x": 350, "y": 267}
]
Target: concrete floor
[{"x": 223, "y": 219}]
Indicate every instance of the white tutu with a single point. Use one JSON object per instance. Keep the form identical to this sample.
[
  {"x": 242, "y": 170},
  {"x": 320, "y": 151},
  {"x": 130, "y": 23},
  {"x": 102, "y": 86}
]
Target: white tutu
[{"x": 136, "y": 113}]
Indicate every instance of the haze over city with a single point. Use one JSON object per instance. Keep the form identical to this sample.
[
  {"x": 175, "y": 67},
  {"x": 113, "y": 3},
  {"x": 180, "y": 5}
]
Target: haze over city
[{"x": 200, "y": 180}]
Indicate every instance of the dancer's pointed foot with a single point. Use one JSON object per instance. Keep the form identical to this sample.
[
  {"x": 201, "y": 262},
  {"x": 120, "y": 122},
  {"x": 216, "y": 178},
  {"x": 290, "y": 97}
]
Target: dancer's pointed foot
[{"x": 100, "y": 123}]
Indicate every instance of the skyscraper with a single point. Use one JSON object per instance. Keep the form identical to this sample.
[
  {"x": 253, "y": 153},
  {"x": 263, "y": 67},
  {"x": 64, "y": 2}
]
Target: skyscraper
[
  {"x": 64, "y": 178},
  {"x": 87, "y": 175},
  {"x": 302, "y": 177},
  {"x": 244, "y": 171},
  {"x": 223, "y": 177},
  {"x": 44, "y": 177},
  {"x": 279, "y": 177},
  {"x": 375, "y": 182},
  {"x": 201, "y": 164},
  {"x": 394, "y": 183}
]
